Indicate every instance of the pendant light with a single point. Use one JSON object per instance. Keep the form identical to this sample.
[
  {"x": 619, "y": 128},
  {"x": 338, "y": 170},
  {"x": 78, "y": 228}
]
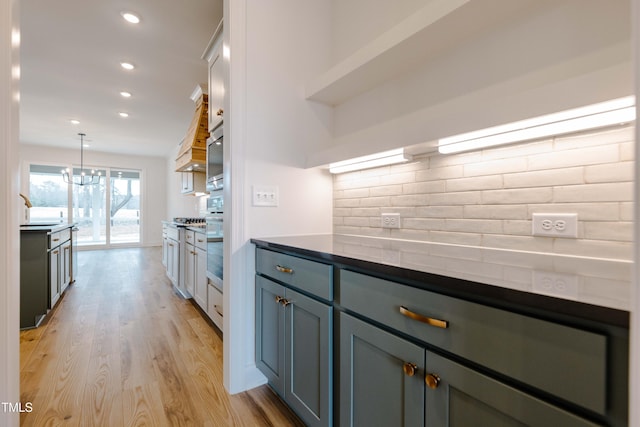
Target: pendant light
[{"x": 83, "y": 178}]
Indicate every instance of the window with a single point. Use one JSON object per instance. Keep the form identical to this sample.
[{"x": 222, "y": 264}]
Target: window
[
  {"x": 106, "y": 214},
  {"x": 49, "y": 195}
]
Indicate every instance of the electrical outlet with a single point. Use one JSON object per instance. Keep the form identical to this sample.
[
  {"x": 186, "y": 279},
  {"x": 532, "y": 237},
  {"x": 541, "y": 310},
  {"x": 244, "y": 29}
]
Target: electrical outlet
[
  {"x": 265, "y": 195},
  {"x": 558, "y": 284},
  {"x": 555, "y": 225},
  {"x": 390, "y": 220}
]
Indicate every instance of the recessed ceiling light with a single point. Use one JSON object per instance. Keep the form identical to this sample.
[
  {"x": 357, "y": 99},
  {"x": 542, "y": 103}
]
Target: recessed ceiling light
[
  {"x": 125, "y": 94},
  {"x": 131, "y": 17},
  {"x": 127, "y": 65},
  {"x": 123, "y": 114},
  {"x": 74, "y": 122}
]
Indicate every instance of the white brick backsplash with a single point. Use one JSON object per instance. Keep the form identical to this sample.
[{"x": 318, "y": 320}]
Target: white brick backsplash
[
  {"x": 474, "y": 225},
  {"x": 495, "y": 211},
  {"x": 622, "y": 191},
  {"x": 585, "y": 211},
  {"x": 619, "y": 230},
  {"x": 385, "y": 190},
  {"x": 627, "y": 151},
  {"x": 424, "y": 187},
  {"x": 487, "y": 198},
  {"x": 476, "y": 183},
  {"x": 545, "y": 178},
  {"x": 464, "y": 198},
  {"x": 626, "y": 211},
  {"x": 577, "y": 157},
  {"x": 511, "y": 165},
  {"x": 610, "y": 172},
  {"x": 510, "y": 196},
  {"x": 440, "y": 211},
  {"x": 440, "y": 173}
]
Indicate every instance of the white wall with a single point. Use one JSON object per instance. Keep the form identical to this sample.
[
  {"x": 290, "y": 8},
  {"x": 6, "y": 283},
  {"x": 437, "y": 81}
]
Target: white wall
[
  {"x": 550, "y": 57},
  {"x": 9, "y": 214},
  {"x": 274, "y": 48},
  {"x": 153, "y": 178}
]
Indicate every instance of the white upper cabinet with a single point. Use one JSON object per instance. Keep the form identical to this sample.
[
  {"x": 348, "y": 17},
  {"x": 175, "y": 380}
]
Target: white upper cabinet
[{"x": 213, "y": 56}]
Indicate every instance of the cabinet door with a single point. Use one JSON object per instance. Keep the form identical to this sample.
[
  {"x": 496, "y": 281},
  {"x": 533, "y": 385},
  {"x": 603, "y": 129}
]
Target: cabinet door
[
  {"x": 270, "y": 332},
  {"x": 190, "y": 272},
  {"x": 164, "y": 252},
  {"x": 464, "y": 397},
  {"x": 187, "y": 182},
  {"x": 173, "y": 261},
  {"x": 216, "y": 90},
  {"x": 54, "y": 276},
  {"x": 65, "y": 266},
  {"x": 200, "y": 293},
  {"x": 381, "y": 377},
  {"x": 308, "y": 358}
]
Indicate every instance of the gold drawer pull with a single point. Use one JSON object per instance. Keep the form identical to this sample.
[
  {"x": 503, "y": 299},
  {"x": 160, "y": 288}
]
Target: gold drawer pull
[
  {"x": 279, "y": 298},
  {"x": 282, "y": 269},
  {"x": 200, "y": 240},
  {"x": 285, "y": 302},
  {"x": 220, "y": 112},
  {"x": 424, "y": 319},
  {"x": 55, "y": 240},
  {"x": 432, "y": 381},
  {"x": 410, "y": 368}
]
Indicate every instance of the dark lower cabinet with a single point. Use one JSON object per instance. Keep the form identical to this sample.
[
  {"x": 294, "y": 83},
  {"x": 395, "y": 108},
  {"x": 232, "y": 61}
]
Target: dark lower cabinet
[
  {"x": 293, "y": 349},
  {"x": 386, "y": 380},
  {"x": 462, "y": 397},
  {"x": 381, "y": 377}
]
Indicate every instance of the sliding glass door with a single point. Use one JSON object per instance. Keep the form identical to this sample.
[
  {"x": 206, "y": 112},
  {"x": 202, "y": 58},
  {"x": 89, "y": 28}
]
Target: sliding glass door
[
  {"x": 125, "y": 207},
  {"x": 106, "y": 214},
  {"x": 89, "y": 204}
]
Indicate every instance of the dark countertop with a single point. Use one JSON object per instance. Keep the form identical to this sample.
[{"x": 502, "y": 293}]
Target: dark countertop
[
  {"x": 590, "y": 288},
  {"x": 39, "y": 228},
  {"x": 197, "y": 229}
]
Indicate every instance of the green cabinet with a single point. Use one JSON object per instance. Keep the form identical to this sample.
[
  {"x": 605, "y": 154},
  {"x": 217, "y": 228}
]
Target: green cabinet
[
  {"x": 294, "y": 347},
  {"x": 463, "y": 397},
  {"x": 381, "y": 377}
]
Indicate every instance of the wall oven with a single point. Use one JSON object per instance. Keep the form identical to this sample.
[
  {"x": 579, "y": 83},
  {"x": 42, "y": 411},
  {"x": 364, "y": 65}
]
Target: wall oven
[{"x": 215, "y": 245}]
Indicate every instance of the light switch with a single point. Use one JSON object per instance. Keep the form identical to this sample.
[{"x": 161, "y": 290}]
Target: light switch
[{"x": 265, "y": 195}]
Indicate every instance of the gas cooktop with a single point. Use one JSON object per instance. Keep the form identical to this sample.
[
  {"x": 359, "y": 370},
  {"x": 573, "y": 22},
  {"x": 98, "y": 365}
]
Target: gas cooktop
[{"x": 189, "y": 221}]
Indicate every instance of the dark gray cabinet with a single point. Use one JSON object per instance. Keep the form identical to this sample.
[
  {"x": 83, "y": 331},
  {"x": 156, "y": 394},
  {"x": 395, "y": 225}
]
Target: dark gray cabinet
[
  {"x": 45, "y": 270},
  {"x": 381, "y": 377},
  {"x": 294, "y": 347},
  {"x": 463, "y": 397}
]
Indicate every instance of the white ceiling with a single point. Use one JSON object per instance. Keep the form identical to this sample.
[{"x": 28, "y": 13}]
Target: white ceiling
[{"x": 70, "y": 54}]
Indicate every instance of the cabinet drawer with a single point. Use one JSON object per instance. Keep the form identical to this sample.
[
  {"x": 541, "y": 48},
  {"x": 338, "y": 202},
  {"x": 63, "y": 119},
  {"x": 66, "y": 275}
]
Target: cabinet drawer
[
  {"x": 59, "y": 237},
  {"x": 564, "y": 361},
  {"x": 214, "y": 305},
  {"x": 189, "y": 236},
  {"x": 200, "y": 240},
  {"x": 310, "y": 276}
]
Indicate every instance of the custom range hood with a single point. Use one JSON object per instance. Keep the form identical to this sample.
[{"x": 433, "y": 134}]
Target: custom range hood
[{"x": 192, "y": 156}]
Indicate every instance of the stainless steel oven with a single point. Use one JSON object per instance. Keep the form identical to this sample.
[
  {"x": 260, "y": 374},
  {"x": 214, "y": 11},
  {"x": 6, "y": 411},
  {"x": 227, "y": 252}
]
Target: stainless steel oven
[{"x": 215, "y": 240}]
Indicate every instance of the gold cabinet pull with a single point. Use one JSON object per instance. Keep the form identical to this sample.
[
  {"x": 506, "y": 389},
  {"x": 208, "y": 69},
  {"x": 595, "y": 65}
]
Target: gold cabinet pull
[
  {"x": 55, "y": 240},
  {"x": 432, "y": 381},
  {"x": 279, "y": 298},
  {"x": 285, "y": 302},
  {"x": 200, "y": 240},
  {"x": 282, "y": 269},
  {"x": 424, "y": 319},
  {"x": 410, "y": 368},
  {"x": 219, "y": 112}
]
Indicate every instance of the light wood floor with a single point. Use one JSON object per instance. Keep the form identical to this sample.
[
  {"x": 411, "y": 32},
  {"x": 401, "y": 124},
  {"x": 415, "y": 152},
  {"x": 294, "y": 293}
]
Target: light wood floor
[{"x": 122, "y": 349}]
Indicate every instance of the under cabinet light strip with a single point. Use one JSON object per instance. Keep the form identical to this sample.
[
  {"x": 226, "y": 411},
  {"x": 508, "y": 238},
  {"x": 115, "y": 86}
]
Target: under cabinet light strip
[
  {"x": 609, "y": 113},
  {"x": 370, "y": 161}
]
